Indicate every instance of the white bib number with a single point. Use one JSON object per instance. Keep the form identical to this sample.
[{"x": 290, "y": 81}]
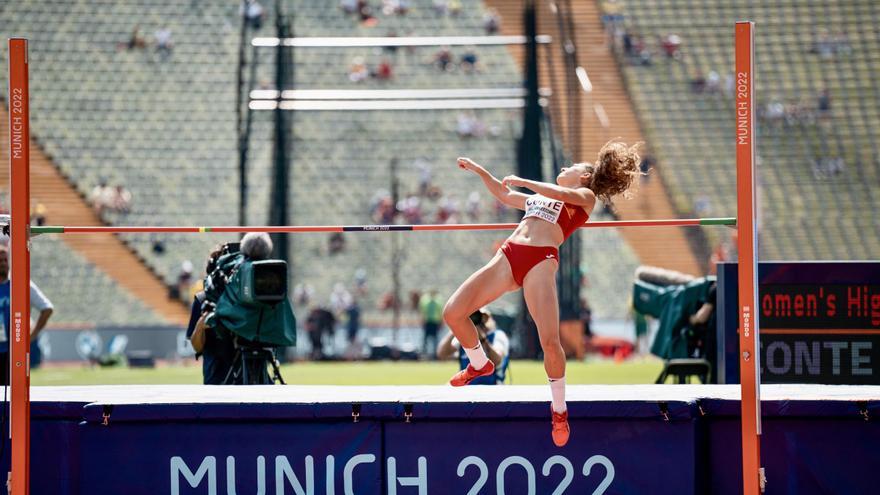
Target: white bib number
[{"x": 543, "y": 207}]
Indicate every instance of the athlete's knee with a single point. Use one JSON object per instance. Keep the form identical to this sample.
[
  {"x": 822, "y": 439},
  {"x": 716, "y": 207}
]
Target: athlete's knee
[
  {"x": 550, "y": 342},
  {"x": 453, "y": 311}
]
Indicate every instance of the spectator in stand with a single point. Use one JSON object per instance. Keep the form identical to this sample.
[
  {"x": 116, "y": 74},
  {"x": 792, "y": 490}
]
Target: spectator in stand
[
  {"x": 729, "y": 85},
  {"x": 491, "y": 21},
  {"x": 411, "y": 209},
  {"x": 349, "y": 6},
  {"x": 254, "y": 14},
  {"x": 336, "y": 243},
  {"x": 823, "y": 103},
  {"x": 702, "y": 205},
  {"x": 121, "y": 200},
  {"x": 384, "y": 211},
  {"x": 836, "y": 166},
  {"x": 383, "y": 72},
  {"x": 775, "y": 111},
  {"x": 645, "y": 166},
  {"x": 447, "y": 211},
  {"x": 395, "y": 7},
  {"x": 454, "y": 7},
  {"x": 698, "y": 82},
  {"x": 443, "y": 59},
  {"x": 101, "y": 197},
  {"x": 163, "y": 43},
  {"x": 629, "y": 44},
  {"x": 425, "y": 175},
  {"x": 366, "y": 14},
  {"x": 183, "y": 287},
  {"x": 390, "y": 49},
  {"x": 824, "y": 45},
  {"x": 440, "y": 6},
  {"x": 358, "y": 72},
  {"x": 713, "y": 82},
  {"x": 469, "y": 62},
  {"x": 38, "y": 214},
  {"x": 431, "y": 310},
  {"x": 841, "y": 44},
  {"x": 612, "y": 12},
  {"x": 671, "y": 44},
  {"x": 468, "y": 125},
  {"x": 644, "y": 55},
  {"x": 135, "y": 41}
]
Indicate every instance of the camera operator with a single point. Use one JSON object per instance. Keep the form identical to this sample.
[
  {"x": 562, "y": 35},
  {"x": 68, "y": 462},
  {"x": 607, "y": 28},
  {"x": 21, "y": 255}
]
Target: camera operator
[
  {"x": 217, "y": 354},
  {"x": 494, "y": 342},
  {"x": 256, "y": 246},
  {"x": 246, "y": 307}
]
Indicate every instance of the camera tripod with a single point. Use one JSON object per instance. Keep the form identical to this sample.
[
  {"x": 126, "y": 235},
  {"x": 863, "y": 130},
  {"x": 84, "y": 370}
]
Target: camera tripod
[{"x": 251, "y": 366}]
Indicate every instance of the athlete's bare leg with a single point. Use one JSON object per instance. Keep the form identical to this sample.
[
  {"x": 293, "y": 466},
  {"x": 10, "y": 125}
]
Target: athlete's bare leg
[
  {"x": 484, "y": 286},
  {"x": 539, "y": 289}
]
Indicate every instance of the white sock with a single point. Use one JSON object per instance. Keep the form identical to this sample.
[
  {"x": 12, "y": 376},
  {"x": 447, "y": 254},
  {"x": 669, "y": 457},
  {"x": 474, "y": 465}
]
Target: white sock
[
  {"x": 477, "y": 356},
  {"x": 557, "y": 391}
]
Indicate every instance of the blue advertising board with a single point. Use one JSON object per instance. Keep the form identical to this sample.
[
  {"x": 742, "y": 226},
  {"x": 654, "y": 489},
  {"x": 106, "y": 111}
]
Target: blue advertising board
[
  {"x": 221, "y": 457},
  {"x": 819, "y": 322},
  {"x": 635, "y": 439}
]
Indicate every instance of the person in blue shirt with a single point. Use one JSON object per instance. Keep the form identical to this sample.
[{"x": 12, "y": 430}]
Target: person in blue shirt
[
  {"x": 494, "y": 342},
  {"x": 38, "y": 301},
  {"x": 218, "y": 354}
]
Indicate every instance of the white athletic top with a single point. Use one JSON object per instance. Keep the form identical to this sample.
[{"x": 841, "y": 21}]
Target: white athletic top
[{"x": 543, "y": 207}]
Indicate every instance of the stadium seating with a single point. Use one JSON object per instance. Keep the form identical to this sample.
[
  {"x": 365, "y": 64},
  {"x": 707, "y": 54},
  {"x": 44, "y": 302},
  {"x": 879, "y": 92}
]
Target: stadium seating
[
  {"x": 166, "y": 130},
  {"x": 82, "y": 295},
  {"x": 809, "y": 210}
]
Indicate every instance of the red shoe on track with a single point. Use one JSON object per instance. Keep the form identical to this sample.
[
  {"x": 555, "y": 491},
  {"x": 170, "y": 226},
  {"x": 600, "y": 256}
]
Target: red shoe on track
[
  {"x": 468, "y": 374},
  {"x": 560, "y": 428}
]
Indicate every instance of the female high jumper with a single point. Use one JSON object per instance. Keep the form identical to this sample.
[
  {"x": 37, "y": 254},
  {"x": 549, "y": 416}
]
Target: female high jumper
[{"x": 529, "y": 259}]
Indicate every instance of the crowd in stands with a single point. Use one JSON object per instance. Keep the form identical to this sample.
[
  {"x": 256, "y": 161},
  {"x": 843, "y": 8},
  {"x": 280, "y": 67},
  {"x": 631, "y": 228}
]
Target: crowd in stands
[
  {"x": 38, "y": 213},
  {"x": 162, "y": 42},
  {"x": 828, "y": 46},
  {"x": 444, "y": 60},
  {"x": 367, "y": 12},
  {"x": 104, "y": 198},
  {"x": 359, "y": 72},
  {"x": 428, "y": 204}
]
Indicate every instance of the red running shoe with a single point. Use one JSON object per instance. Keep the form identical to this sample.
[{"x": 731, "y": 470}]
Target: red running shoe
[
  {"x": 468, "y": 374},
  {"x": 560, "y": 428}
]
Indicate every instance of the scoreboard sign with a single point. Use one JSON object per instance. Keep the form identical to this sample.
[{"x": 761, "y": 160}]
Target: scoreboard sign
[{"x": 819, "y": 322}]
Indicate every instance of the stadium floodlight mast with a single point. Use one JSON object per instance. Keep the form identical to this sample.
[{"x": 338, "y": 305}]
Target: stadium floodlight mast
[{"x": 20, "y": 230}]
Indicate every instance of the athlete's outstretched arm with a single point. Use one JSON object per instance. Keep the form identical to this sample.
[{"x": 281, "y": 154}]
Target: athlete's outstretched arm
[
  {"x": 580, "y": 196},
  {"x": 510, "y": 198}
]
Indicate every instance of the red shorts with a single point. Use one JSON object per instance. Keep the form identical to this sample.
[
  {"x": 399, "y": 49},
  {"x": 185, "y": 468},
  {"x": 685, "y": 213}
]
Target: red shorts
[{"x": 523, "y": 258}]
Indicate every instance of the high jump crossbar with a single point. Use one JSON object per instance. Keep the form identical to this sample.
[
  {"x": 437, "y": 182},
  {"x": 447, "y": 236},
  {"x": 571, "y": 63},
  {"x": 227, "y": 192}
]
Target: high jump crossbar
[
  {"x": 294, "y": 229},
  {"x": 20, "y": 230}
]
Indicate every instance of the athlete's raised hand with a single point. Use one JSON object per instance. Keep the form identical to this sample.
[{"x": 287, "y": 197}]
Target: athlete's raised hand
[
  {"x": 468, "y": 164},
  {"x": 512, "y": 181}
]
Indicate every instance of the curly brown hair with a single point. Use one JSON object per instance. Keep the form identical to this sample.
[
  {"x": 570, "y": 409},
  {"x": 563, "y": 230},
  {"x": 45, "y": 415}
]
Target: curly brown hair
[{"x": 615, "y": 171}]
